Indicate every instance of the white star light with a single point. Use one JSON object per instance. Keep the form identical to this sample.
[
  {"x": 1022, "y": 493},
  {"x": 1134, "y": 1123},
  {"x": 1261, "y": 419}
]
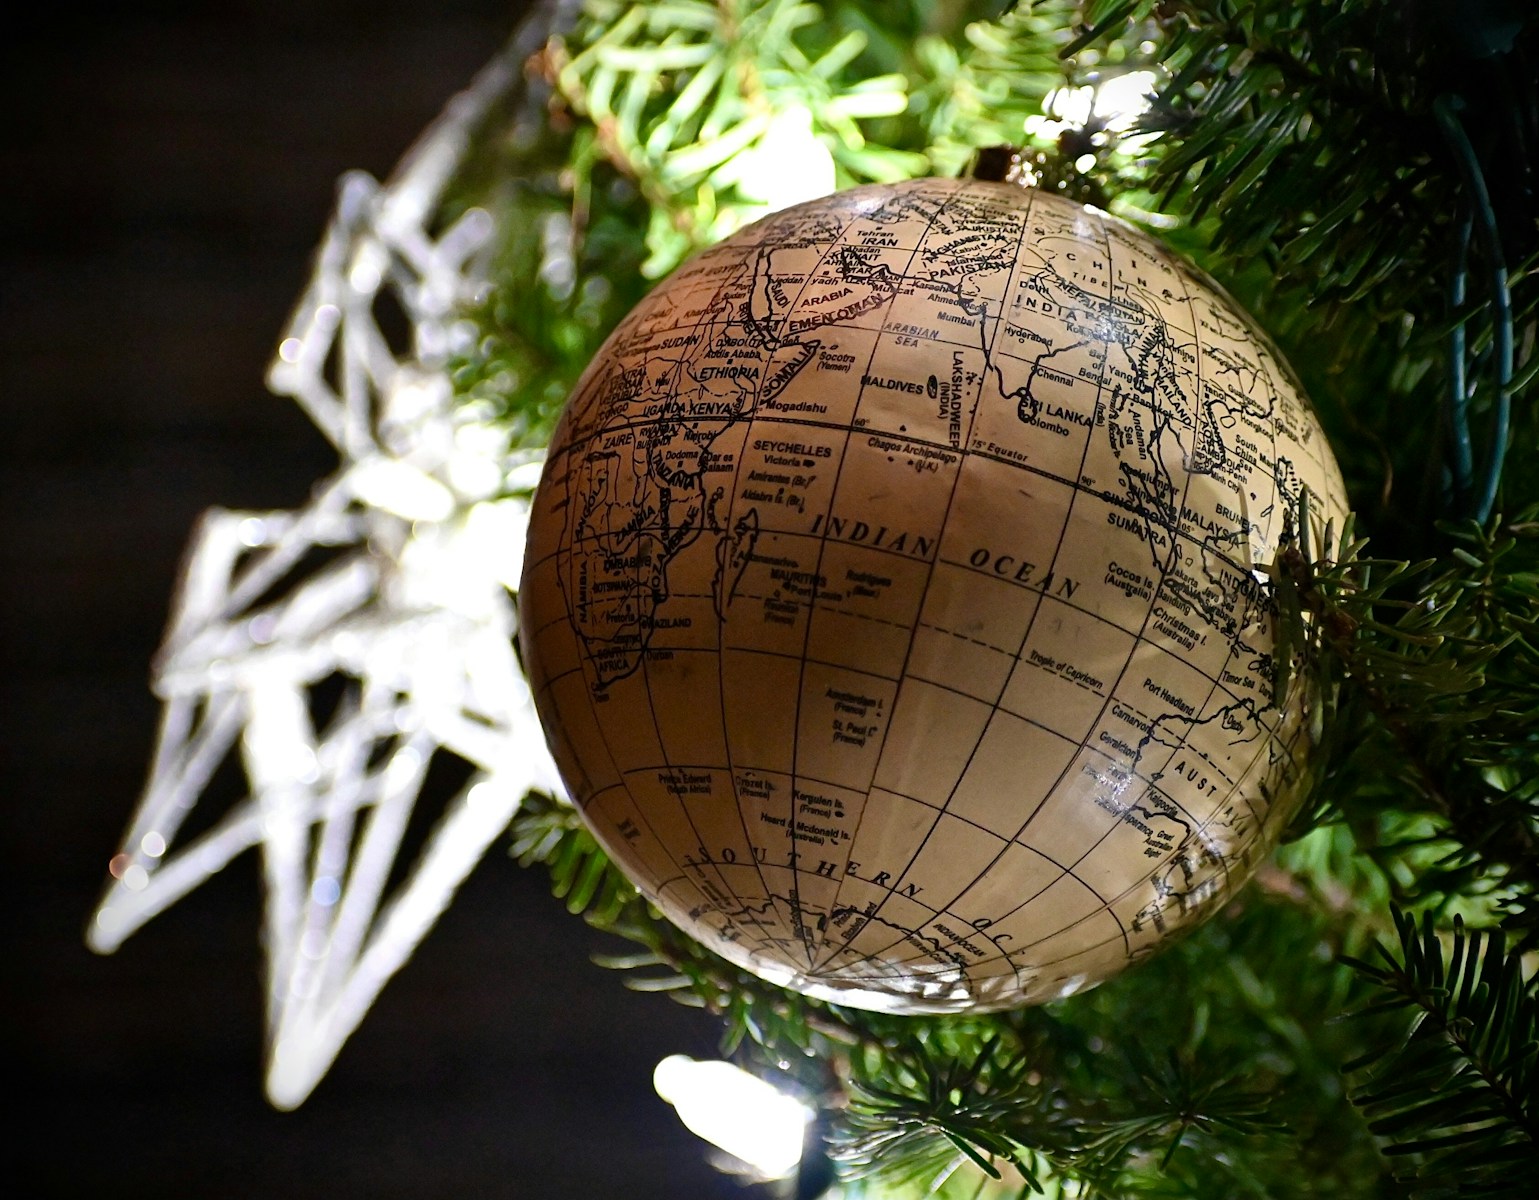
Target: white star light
[{"x": 420, "y": 537}]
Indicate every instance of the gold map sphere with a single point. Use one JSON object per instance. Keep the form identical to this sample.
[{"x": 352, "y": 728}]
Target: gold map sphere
[{"x": 893, "y": 599}]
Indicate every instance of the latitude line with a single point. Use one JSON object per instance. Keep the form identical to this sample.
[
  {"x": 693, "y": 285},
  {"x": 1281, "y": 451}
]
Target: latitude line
[
  {"x": 1196, "y": 821},
  {"x": 1217, "y": 684},
  {"x": 1173, "y": 528}
]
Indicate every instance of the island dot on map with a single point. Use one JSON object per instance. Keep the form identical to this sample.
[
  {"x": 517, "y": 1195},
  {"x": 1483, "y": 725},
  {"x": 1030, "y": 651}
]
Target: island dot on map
[{"x": 894, "y": 599}]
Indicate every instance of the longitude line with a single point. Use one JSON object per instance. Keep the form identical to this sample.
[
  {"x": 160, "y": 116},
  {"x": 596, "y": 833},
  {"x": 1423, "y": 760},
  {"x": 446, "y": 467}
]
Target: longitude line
[
  {"x": 677, "y": 367},
  {"x": 1186, "y": 487},
  {"x": 1031, "y": 621},
  {"x": 1111, "y": 274},
  {"x": 737, "y": 468},
  {"x": 817, "y": 570}
]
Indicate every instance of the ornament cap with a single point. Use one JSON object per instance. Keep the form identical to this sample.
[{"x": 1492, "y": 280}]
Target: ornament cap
[{"x": 1001, "y": 164}]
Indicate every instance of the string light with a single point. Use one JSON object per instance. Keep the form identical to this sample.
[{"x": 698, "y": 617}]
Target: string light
[
  {"x": 738, "y": 1112},
  {"x": 1114, "y": 103}
]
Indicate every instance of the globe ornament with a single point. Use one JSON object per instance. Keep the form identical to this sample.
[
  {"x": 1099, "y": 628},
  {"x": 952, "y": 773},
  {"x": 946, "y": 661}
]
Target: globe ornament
[{"x": 894, "y": 602}]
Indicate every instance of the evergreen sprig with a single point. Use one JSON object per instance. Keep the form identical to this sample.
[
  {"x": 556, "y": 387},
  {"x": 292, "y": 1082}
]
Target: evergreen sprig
[
  {"x": 1431, "y": 671},
  {"x": 1455, "y": 1097},
  {"x": 682, "y": 94},
  {"x": 552, "y": 833},
  {"x": 929, "y": 1112}
]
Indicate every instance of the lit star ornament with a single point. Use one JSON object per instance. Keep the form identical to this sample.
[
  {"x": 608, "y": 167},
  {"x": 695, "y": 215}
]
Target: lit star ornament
[{"x": 421, "y": 532}]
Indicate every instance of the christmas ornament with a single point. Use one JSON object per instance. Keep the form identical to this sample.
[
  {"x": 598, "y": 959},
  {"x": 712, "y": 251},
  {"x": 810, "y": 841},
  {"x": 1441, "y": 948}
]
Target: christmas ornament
[
  {"x": 894, "y": 601},
  {"x": 409, "y": 616}
]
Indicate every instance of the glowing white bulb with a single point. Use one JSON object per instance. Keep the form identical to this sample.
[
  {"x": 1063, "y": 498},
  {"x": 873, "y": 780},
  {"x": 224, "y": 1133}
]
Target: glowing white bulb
[
  {"x": 741, "y": 1113},
  {"x": 1073, "y": 106},
  {"x": 788, "y": 165},
  {"x": 1116, "y": 102},
  {"x": 473, "y": 476},
  {"x": 1122, "y": 99}
]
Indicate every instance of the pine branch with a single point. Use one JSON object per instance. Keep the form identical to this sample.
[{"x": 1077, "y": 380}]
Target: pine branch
[
  {"x": 927, "y": 1113},
  {"x": 682, "y": 95},
  {"x": 1432, "y": 668},
  {"x": 1456, "y": 1099}
]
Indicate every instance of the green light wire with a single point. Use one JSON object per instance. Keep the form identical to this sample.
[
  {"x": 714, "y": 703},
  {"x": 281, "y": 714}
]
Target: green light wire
[{"x": 1480, "y": 507}]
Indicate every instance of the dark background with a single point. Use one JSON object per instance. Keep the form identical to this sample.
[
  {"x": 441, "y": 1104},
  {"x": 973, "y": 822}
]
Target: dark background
[{"x": 168, "y": 170}]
